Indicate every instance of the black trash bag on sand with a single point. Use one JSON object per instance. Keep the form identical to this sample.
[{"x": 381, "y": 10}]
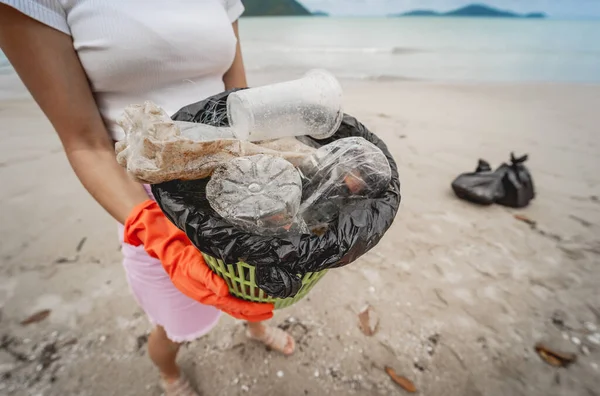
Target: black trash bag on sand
[
  {"x": 516, "y": 182},
  {"x": 509, "y": 185},
  {"x": 482, "y": 186},
  {"x": 281, "y": 261}
]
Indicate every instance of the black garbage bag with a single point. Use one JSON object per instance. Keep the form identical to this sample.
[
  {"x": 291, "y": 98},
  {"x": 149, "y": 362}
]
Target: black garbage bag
[
  {"x": 517, "y": 183},
  {"x": 482, "y": 186},
  {"x": 281, "y": 261},
  {"x": 509, "y": 185}
]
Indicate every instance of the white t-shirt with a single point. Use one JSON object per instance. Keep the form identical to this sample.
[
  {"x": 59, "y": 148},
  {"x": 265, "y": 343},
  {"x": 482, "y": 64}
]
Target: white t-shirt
[{"x": 172, "y": 52}]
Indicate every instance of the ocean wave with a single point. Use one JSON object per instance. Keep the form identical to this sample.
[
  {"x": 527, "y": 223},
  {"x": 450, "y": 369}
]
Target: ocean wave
[
  {"x": 254, "y": 47},
  {"x": 289, "y": 72},
  {"x": 342, "y": 50}
]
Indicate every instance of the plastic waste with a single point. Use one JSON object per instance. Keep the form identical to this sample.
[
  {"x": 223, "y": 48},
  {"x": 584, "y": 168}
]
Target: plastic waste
[
  {"x": 261, "y": 193},
  {"x": 281, "y": 261},
  {"x": 483, "y": 186},
  {"x": 344, "y": 169},
  {"x": 509, "y": 185},
  {"x": 517, "y": 183},
  {"x": 203, "y": 132},
  {"x": 157, "y": 149},
  {"x": 311, "y": 105}
]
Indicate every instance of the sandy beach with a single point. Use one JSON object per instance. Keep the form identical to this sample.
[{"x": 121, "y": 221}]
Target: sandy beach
[{"x": 463, "y": 293}]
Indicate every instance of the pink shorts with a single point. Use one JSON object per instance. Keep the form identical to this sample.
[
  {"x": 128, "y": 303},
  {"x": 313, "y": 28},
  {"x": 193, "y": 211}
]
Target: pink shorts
[{"x": 183, "y": 319}]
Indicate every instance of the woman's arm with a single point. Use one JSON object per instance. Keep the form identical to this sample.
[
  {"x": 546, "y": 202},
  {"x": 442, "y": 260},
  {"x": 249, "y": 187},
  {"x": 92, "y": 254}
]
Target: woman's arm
[
  {"x": 235, "y": 77},
  {"x": 47, "y": 63}
]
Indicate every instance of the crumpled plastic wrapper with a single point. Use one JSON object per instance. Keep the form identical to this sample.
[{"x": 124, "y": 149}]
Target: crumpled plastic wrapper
[
  {"x": 156, "y": 149},
  {"x": 347, "y": 168},
  {"x": 260, "y": 193}
]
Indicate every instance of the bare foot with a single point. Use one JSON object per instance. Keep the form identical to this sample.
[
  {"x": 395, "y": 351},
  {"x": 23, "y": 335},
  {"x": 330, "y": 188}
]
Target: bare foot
[{"x": 273, "y": 337}]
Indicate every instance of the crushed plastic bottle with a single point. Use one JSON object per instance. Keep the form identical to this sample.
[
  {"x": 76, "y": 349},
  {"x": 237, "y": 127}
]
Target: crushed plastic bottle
[
  {"x": 260, "y": 193},
  {"x": 311, "y": 105},
  {"x": 347, "y": 168}
]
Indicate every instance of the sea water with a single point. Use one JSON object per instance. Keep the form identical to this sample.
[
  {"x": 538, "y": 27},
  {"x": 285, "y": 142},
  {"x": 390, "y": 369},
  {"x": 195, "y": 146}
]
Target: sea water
[
  {"x": 438, "y": 49},
  {"x": 443, "y": 49}
]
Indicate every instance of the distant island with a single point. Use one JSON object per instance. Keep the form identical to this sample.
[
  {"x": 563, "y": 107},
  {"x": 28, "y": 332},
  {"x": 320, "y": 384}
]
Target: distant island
[
  {"x": 473, "y": 10},
  {"x": 274, "y": 8},
  {"x": 294, "y": 8}
]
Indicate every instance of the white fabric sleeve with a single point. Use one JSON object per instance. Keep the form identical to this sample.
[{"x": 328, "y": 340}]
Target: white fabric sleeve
[
  {"x": 48, "y": 12},
  {"x": 234, "y": 9}
]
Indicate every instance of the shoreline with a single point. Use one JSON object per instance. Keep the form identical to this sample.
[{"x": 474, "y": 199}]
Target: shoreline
[{"x": 12, "y": 89}]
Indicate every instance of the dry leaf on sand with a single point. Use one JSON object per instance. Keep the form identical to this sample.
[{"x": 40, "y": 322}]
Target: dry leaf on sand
[
  {"x": 525, "y": 220},
  {"x": 368, "y": 321},
  {"x": 553, "y": 357},
  {"x": 403, "y": 382},
  {"x": 36, "y": 317}
]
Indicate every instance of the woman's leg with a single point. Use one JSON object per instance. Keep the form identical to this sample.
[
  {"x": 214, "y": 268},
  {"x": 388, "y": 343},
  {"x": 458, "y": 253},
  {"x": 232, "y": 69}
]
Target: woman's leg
[
  {"x": 163, "y": 353},
  {"x": 273, "y": 337},
  {"x": 183, "y": 318}
]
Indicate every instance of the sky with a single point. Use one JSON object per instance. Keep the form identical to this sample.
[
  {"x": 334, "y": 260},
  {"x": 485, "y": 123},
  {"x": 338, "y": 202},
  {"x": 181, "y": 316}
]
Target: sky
[{"x": 554, "y": 8}]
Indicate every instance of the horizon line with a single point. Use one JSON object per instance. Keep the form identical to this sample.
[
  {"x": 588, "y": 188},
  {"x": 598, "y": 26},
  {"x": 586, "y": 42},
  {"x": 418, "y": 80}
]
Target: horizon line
[{"x": 397, "y": 15}]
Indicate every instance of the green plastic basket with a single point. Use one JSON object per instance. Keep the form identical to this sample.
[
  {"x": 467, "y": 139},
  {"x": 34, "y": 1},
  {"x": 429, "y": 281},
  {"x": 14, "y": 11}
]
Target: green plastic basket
[{"x": 240, "y": 278}]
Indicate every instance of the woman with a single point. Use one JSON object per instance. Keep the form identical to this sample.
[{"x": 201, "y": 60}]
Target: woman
[{"x": 83, "y": 62}]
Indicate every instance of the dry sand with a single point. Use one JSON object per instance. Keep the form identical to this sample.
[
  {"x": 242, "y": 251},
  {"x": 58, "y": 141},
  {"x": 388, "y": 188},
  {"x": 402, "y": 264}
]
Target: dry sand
[{"x": 463, "y": 292}]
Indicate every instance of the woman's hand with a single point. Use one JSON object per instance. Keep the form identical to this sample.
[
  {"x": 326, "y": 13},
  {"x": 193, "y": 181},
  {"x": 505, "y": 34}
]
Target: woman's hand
[{"x": 148, "y": 226}]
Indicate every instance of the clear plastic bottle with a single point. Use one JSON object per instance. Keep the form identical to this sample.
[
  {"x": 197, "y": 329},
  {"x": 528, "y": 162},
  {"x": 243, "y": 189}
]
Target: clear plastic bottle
[
  {"x": 345, "y": 169},
  {"x": 311, "y": 105},
  {"x": 260, "y": 193}
]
